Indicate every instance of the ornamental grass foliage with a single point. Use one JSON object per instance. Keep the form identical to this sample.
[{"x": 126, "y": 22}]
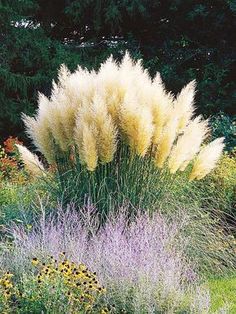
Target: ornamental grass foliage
[
  {"x": 116, "y": 135},
  {"x": 142, "y": 263}
]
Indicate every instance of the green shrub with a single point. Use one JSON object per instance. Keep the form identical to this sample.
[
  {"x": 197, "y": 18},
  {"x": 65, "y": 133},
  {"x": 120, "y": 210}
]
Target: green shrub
[
  {"x": 218, "y": 190},
  {"x": 223, "y": 125}
]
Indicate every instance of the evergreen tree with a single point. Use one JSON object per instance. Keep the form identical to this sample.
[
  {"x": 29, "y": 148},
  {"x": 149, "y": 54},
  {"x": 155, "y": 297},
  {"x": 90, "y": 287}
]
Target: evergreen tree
[{"x": 184, "y": 40}]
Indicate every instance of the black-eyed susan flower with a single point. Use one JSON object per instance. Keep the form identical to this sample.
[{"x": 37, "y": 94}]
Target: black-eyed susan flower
[{"x": 35, "y": 261}]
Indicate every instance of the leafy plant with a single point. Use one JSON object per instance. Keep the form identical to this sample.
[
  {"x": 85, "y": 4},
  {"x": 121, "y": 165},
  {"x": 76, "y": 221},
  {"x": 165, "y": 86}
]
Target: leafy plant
[
  {"x": 223, "y": 125},
  {"x": 10, "y": 168},
  {"x": 219, "y": 187},
  {"x": 55, "y": 286}
]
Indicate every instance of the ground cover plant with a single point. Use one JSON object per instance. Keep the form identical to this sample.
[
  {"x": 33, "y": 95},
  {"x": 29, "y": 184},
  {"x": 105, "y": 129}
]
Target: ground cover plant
[{"x": 223, "y": 290}]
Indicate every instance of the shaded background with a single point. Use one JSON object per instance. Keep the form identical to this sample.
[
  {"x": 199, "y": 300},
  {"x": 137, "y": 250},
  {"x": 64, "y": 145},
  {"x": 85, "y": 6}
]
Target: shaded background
[{"x": 183, "y": 40}]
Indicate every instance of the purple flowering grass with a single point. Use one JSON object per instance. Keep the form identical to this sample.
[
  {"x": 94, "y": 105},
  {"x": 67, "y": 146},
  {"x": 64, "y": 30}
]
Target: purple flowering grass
[{"x": 141, "y": 260}]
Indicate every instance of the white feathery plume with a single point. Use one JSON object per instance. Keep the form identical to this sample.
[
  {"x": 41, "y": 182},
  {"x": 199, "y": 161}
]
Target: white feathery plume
[
  {"x": 85, "y": 140},
  {"x": 161, "y": 104},
  {"x": 136, "y": 123},
  {"x": 55, "y": 119},
  {"x": 106, "y": 130},
  {"x": 207, "y": 159},
  {"x": 184, "y": 105},
  {"x": 84, "y": 117},
  {"x": 38, "y": 129},
  {"x": 166, "y": 142},
  {"x": 81, "y": 84},
  {"x": 108, "y": 76},
  {"x": 109, "y": 86},
  {"x": 188, "y": 144},
  {"x": 58, "y": 88},
  {"x": 31, "y": 161},
  {"x": 127, "y": 77}
]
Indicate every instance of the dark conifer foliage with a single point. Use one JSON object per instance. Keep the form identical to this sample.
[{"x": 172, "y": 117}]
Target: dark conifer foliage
[{"x": 184, "y": 40}]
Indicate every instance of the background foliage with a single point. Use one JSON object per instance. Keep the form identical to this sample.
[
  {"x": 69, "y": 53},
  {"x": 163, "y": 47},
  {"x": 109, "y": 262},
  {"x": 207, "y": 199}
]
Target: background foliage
[{"x": 184, "y": 40}]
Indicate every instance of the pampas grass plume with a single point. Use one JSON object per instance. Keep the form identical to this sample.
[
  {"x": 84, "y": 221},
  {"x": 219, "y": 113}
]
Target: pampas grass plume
[
  {"x": 56, "y": 118},
  {"x": 207, "y": 159},
  {"x": 166, "y": 142},
  {"x": 161, "y": 105},
  {"x": 184, "y": 105},
  {"x": 31, "y": 161},
  {"x": 136, "y": 122},
  {"x": 38, "y": 130},
  {"x": 85, "y": 139},
  {"x": 188, "y": 144},
  {"x": 89, "y": 148},
  {"x": 106, "y": 130}
]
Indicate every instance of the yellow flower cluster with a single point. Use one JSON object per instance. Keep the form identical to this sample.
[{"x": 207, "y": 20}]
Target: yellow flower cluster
[
  {"x": 6, "y": 286},
  {"x": 74, "y": 283},
  {"x": 81, "y": 286},
  {"x": 9, "y": 294},
  {"x": 92, "y": 113}
]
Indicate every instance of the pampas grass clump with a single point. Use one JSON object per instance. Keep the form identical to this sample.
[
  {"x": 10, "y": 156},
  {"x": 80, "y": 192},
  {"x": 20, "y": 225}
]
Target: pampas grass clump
[{"x": 119, "y": 123}]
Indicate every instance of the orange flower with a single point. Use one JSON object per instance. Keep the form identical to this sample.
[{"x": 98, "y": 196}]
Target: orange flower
[
  {"x": 9, "y": 144},
  {"x": 7, "y": 162}
]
